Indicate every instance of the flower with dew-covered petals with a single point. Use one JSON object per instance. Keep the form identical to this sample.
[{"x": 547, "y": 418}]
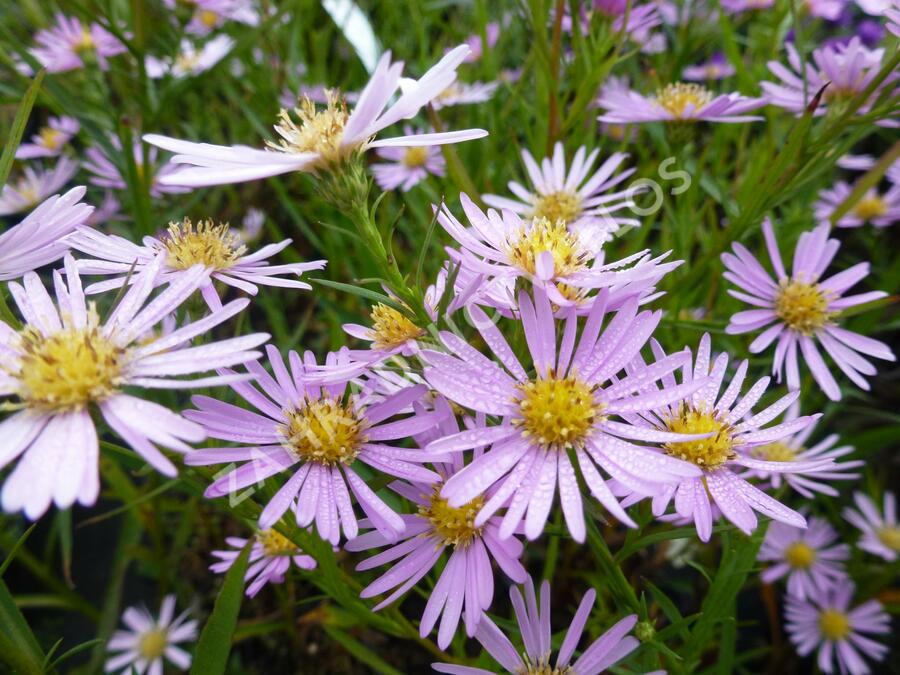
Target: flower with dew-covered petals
[
  {"x": 147, "y": 642},
  {"x": 676, "y": 102},
  {"x": 408, "y": 166},
  {"x": 51, "y": 139},
  {"x": 717, "y": 67},
  {"x": 109, "y": 174},
  {"x": 271, "y": 556},
  {"x": 465, "y": 586},
  {"x": 323, "y": 138},
  {"x": 190, "y": 59},
  {"x": 733, "y": 434},
  {"x": 39, "y": 239},
  {"x": 802, "y": 309},
  {"x": 185, "y": 245},
  {"x": 533, "y": 618},
  {"x": 880, "y": 531},
  {"x": 315, "y": 433},
  {"x": 574, "y": 196},
  {"x": 66, "y": 45},
  {"x": 880, "y": 209},
  {"x": 826, "y": 621},
  {"x": 810, "y": 559},
  {"x": 35, "y": 185},
  {"x": 392, "y": 331},
  {"x": 568, "y": 403},
  {"x": 64, "y": 363}
]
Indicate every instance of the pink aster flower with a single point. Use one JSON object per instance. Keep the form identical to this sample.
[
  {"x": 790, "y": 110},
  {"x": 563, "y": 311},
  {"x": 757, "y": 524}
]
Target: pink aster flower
[
  {"x": 810, "y": 559},
  {"x": 678, "y": 102},
  {"x": 847, "y": 69},
  {"x": 568, "y": 404},
  {"x": 183, "y": 247},
  {"x": 148, "y": 642},
  {"x": 271, "y": 557},
  {"x": 211, "y": 14},
  {"x": 533, "y": 618},
  {"x": 736, "y": 6},
  {"x": 826, "y": 622},
  {"x": 38, "y": 240},
  {"x": 64, "y": 364},
  {"x": 880, "y": 531},
  {"x": 314, "y": 433},
  {"x": 191, "y": 59},
  {"x": 716, "y": 68},
  {"x": 408, "y": 166},
  {"x": 108, "y": 173},
  {"x": 35, "y": 185},
  {"x": 464, "y": 93},
  {"x": 576, "y": 195},
  {"x": 830, "y": 10},
  {"x": 722, "y": 456},
  {"x": 323, "y": 137},
  {"x": 794, "y": 448},
  {"x": 802, "y": 309},
  {"x": 51, "y": 139},
  {"x": 68, "y": 44},
  {"x": 875, "y": 208},
  {"x": 474, "y": 42}
]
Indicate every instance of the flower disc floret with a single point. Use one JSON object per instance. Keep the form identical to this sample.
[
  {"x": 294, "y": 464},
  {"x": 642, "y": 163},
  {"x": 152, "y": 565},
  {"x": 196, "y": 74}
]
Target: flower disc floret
[
  {"x": 800, "y": 555},
  {"x": 326, "y": 431},
  {"x": 834, "y": 624},
  {"x": 274, "y": 543},
  {"x": 391, "y": 328},
  {"x": 543, "y": 234},
  {"x": 153, "y": 643},
  {"x": 454, "y": 526},
  {"x": 707, "y": 453},
  {"x": 318, "y": 131},
  {"x": 802, "y": 306},
  {"x": 562, "y": 206},
  {"x": 207, "y": 244},
  {"x": 558, "y": 412},
  {"x": 677, "y": 97}
]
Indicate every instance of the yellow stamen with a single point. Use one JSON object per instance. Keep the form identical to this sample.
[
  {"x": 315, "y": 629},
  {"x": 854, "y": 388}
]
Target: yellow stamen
[
  {"x": 557, "y": 206},
  {"x": 415, "y": 157},
  {"x": 834, "y": 624},
  {"x": 890, "y": 537},
  {"x": 326, "y": 431},
  {"x": 707, "y": 453},
  {"x": 455, "y": 526},
  {"x": 558, "y": 412},
  {"x": 206, "y": 244},
  {"x": 153, "y": 643},
  {"x": 85, "y": 42},
  {"x": 802, "y": 306},
  {"x": 775, "y": 452},
  {"x": 208, "y": 18},
  {"x": 391, "y": 328},
  {"x": 545, "y": 235},
  {"x": 319, "y": 132},
  {"x": 275, "y": 544},
  {"x": 50, "y": 138},
  {"x": 677, "y": 97},
  {"x": 870, "y": 207},
  {"x": 542, "y": 667},
  {"x": 800, "y": 555}
]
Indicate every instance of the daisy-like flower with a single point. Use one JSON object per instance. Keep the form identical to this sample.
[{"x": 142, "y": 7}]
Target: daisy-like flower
[
  {"x": 464, "y": 93},
  {"x": 803, "y": 309},
  {"x": 716, "y": 68},
  {"x": 271, "y": 557},
  {"x": 191, "y": 60},
  {"x": 64, "y": 363},
  {"x": 810, "y": 559},
  {"x": 37, "y": 240},
  {"x": 70, "y": 44},
  {"x": 880, "y": 531},
  {"x": 474, "y": 42},
  {"x": 147, "y": 642},
  {"x": 840, "y": 633},
  {"x": 465, "y": 586},
  {"x": 211, "y": 14},
  {"x": 35, "y": 185},
  {"x": 185, "y": 246},
  {"x": 51, "y": 139},
  {"x": 110, "y": 174},
  {"x": 577, "y": 196},
  {"x": 566, "y": 262},
  {"x": 251, "y": 225},
  {"x": 847, "y": 69},
  {"x": 533, "y": 617},
  {"x": 326, "y": 137},
  {"x": 392, "y": 331},
  {"x": 408, "y": 166},
  {"x": 875, "y": 208},
  {"x": 733, "y": 432},
  {"x": 636, "y": 20},
  {"x": 315, "y": 433},
  {"x": 568, "y": 403},
  {"x": 678, "y": 102},
  {"x": 794, "y": 448}
]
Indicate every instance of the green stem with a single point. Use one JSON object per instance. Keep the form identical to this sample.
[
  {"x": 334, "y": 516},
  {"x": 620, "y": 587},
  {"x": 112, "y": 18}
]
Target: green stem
[{"x": 619, "y": 586}]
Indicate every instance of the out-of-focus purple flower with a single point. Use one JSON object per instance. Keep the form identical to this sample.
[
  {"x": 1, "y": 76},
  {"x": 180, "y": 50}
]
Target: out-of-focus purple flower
[
  {"x": 35, "y": 185},
  {"x": 108, "y": 174},
  {"x": 108, "y": 210},
  {"x": 878, "y": 209},
  {"x": 190, "y": 59},
  {"x": 810, "y": 559},
  {"x": 69, "y": 43},
  {"x": 875, "y": 7},
  {"x": 271, "y": 556},
  {"x": 211, "y": 14},
  {"x": 880, "y": 531},
  {"x": 892, "y": 18},
  {"x": 408, "y": 166},
  {"x": 735, "y": 6},
  {"x": 716, "y": 68},
  {"x": 870, "y": 32},
  {"x": 677, "y": 102},
  {"x": 148, "y": 642},
  {"x": 464, "y": 93},
  {"x": 474, "y": 42},
  {"x": 801, "y": 309},
  {"x": 51, "y": 139}
]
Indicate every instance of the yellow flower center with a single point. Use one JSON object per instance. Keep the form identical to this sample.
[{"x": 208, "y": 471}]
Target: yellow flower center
[
  {"x": 28, "y": 191},
  {"x": 542, "y": 235},
  {"x": 415, "y": 157},
  {"x": 318, "y": 131},
  {"x": 616, "y": 131},
  {"x": 890, "y": 537},
  {"x": 870, "y": 207},
  {"x": 800, "y": 555},
  {"x": 775, "y": 452},
  {"x": 707, "y": 453},
  {"x": 455, "y": 526},
  {"x": 542, "y": 667},
  {"x": 206, "y": 244},
  {"x": 677, "y": 97},
  {"x": 85, "y": 42},
  {"x": 187, "y": 61},
  {"x": 557, "y": 412},
  {"x": 153, "y": 643},
  {"x": 391, "y": 328},
  {"x": 68, "y": 369},
  {"x": 275, "y": 544},
  {"x": 326, "y": 431},
  {"x": 50, "y": 138},
  {"x": 557, "y": 206},
  {"x": 449, "y": 93},
  {"x": 834, "y": 624},
  {"x": 802, "y": 306},
  {"x": 208, "y": 18}
]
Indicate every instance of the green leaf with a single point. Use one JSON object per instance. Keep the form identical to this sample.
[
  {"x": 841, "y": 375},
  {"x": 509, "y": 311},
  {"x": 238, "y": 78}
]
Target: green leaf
[
  {"x": 361, "y": 652},
  {"x": 12, "y": 552},
  {"x": 214, "y": 645},
  {"x": 867, "y": 182},
  {"x": 18, "y": 647},
  {"x": 18, "y": 127},
  {"x": 362, "y": 292}
]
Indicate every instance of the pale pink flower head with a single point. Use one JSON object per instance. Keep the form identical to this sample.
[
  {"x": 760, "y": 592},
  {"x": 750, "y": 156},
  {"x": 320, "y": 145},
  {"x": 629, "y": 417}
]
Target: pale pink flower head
[
  {"x": 880, "y": 530},
  {"x": 736, "y": 6},
  {"x": 408, "y": 166},
  {"x": 876, "y": 208},
  {"x": 147, "y": 642},
  {"x": 51, "y": 139},
  {"x": 810, "y": 559},
  {"x": 35, "y": 185},
  {"x": 271, "y": 557},
  {"x": 830, "y": 10},
  {"x": 70, "y": 43},
  {"x": 64, "y": 364},
  {"x": 191, "y": 58},
  {"x": 110, "y": 173},
  {"x": 323, "y": 138},
  {"x": 533, "y": 618},
  {"x": 211, "y": 14},
  {"x": 464, "y": 93},
  {"x": 677, "y": 102},
  {"x": 38, "y": 240},
  {"x": 717, "y": 67},
  {"x": 801, "y": 310},
  {"x": 474, "y": 42},
  {"x": 841, "y": 634}
]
